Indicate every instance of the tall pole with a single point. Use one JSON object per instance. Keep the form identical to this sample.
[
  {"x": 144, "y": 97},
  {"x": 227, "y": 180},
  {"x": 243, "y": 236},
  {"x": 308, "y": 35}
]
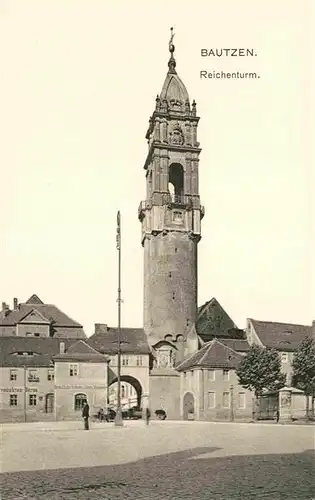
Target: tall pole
[
  {"x": 24, "y": 375},
  {"x": 118, "y": 417}
]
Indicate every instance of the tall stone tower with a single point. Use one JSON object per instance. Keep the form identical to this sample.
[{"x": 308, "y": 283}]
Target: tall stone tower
[{"x": 170, "y": 218}]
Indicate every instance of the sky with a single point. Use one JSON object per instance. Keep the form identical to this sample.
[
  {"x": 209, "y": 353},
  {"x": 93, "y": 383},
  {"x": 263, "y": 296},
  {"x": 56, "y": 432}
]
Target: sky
[{"x": 78, "y": 85}]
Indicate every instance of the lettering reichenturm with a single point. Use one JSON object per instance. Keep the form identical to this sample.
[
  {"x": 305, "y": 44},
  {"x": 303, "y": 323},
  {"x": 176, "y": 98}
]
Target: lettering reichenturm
[{"x": 228, "y": 52}]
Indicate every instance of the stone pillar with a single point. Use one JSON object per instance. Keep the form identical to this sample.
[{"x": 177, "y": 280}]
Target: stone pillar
[
  {"x": 157, "y": 134},
  {"x": 194, "y": 134},
  {"x": 285, "y": 405}
]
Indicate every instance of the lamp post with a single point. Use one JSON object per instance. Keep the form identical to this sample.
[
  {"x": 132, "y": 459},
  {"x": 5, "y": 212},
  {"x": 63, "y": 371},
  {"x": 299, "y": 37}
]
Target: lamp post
[{"x": 118, "y": 417}]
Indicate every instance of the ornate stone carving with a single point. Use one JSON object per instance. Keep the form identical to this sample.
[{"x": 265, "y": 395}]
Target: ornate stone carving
[
  {"x": 177, "y": 136},
  {"x": 164, "y": 106},
  {"x": 157, "y": 103},
  {"x": 175, "y": 104},
  {"x": 165, "y": 357}
]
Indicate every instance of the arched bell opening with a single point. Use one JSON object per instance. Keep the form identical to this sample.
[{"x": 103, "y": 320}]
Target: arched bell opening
[{"x": 176, "y": 182}]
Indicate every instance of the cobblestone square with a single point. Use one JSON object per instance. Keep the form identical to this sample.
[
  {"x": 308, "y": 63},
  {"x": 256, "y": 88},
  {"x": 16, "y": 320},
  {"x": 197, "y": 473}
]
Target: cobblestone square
[{"x": 167, "y": 460}]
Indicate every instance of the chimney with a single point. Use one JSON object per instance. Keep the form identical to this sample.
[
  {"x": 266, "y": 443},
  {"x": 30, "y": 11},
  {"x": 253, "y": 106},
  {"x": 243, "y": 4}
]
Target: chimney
[
  {"x": 101, "y": 328},
  {"x": 5, "y": 309},
  {"x": 15, "y": 304},
  {"x": 61, "y": 348}
]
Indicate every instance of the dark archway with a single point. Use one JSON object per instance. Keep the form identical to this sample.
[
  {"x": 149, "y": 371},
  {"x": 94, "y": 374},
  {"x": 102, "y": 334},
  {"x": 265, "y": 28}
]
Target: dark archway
[
  {"x": 49, "y": 402},
  {"x": 133, "y": 382},
  {"x": 176, "y": 180},
  {"x": 188, "y": 406}
]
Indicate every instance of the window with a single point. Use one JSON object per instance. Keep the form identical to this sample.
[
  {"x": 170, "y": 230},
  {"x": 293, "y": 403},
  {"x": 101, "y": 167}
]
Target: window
[
  {"x": 33, "y": 376},
  {"x": 125, "y": 361},
  {"x": 226, "y": 375},
  {"x": 173, "y": 295},
  {"x": 73, "y": 370},
  {"x": 241, "y": 400},
  {"x": 13, "y": 374},
  {"x": 226, "y": 400},
  {"x": 169, "y": 274},
  {"x": 284, "y": 357},
  {"x": 13, "y": 399},
  {"x": 36, "y": 334},
  {"x": 50, "y": 375},
  {"x": 123, "y": 391},
  {"x": 32, "y": 400},
  {"x": 79, "y": 401},
  {"x": 185, "y": 374},
  {"x": 139, "y": 360},
  {"x": 211, "y": 399},
  {"x": 211, "y": 375}
]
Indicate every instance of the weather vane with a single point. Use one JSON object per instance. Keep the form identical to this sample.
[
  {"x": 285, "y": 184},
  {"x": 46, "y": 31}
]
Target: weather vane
[{"x": 171, "y": 46}]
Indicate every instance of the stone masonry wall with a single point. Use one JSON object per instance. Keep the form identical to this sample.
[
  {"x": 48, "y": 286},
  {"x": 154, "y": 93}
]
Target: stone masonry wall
[{"x": 170, "y": 285}]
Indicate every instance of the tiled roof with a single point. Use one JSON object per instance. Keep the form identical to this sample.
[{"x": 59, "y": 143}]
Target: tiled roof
[
  {"x": 236, "y": 345},
  {"x": 214, "y": 354},
  {"x": 280, "y": 336},
  {"x": 70, "y": 332},
  {"x": 133, "y": 340},
  {"x": 62, "y": 325},
  {"x": 43, "y": 350},
  {"x": 213, "y": 321},
  {"x": 81, "y": 351}
]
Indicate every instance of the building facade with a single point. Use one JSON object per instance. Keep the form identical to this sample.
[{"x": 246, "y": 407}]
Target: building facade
[{"x": 209, "y": 388}]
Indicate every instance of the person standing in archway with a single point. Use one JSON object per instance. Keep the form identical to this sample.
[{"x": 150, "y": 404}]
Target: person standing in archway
[{"x": 86, "y": 416}]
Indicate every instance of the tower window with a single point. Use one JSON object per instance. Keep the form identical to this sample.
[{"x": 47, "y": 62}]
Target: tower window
[
  {"x": 176, "y": 180},
  {"x": 169, "y": 274},
  {"x": 175, "y": 250}
]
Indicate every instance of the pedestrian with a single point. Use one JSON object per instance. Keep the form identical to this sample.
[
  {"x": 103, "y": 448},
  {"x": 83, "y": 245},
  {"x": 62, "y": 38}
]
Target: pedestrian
[
  {"x": 277, "y": 415},
  {"x": 86, "y": 416},
  {"x": 147, "y": 416},
  {"x": 101, "y": 415}
]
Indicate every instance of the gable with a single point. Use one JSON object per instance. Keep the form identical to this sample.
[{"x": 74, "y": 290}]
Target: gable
[
  {"x": 81, "y": 347},
  {"x": 213, "y": 321},
  {"x": 34, "y": 299},
  {"x": 34, "y": 316}
]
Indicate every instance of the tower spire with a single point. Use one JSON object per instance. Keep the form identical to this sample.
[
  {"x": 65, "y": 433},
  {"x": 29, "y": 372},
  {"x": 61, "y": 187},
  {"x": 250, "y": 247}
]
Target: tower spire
[{"x": 171, "y": 48}]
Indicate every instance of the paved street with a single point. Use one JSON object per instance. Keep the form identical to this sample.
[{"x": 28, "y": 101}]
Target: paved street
[{"x": 167, "y": 460}]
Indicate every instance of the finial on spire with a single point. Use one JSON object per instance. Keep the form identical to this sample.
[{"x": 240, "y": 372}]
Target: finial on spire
[{"x": 171, "y": 47}]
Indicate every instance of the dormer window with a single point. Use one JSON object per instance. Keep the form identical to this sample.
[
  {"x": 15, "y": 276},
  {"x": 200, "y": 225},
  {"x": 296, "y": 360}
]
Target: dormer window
[{"x": 24, "y": 353}]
